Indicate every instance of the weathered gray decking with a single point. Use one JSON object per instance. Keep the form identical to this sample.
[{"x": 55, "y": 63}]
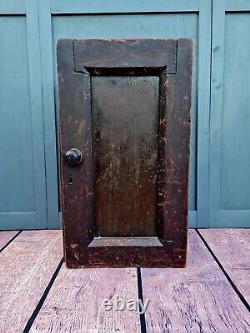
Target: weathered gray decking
[{"x": 38, "y": 294}]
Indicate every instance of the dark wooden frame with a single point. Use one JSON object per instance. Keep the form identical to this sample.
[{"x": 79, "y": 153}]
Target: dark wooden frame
[{"x": 171, "y": 60}]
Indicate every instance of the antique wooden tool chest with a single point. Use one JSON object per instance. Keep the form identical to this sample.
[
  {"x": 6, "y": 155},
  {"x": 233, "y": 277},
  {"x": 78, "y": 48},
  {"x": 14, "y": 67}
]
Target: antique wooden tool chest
[{"x": 124, "y": 150}]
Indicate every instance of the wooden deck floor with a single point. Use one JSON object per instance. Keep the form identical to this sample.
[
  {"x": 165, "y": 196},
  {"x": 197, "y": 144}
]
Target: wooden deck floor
[{"x": 38, "y": 294}]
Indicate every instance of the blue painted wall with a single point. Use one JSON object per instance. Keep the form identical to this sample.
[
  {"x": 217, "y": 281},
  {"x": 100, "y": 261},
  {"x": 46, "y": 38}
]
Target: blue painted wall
[{"x": 219, "y": 189}]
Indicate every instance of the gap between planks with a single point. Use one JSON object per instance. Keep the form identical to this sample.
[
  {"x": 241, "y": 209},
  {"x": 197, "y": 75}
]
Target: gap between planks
[
  {"x": 230, "y": 249},
  {"x": 6, "y": 237},
  {"x": 203, "y": 300},
  {"x": 27, "y": 265},
  {"x": 22, "y": 307},
  {"x": 74, "y": 302},
  {"x": 197, "y": 298}
]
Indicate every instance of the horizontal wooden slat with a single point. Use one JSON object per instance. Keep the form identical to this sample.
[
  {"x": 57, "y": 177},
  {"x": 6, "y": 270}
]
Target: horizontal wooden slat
[
  {"x": 239, "y": 5},
  {"x": 12, "y": 7},
  {"x": 74, "y": 303},
  {"x": 234, "y": 218},
  {"x": 232, "y": 249},
  {"x": 18, "y": 220},
  {"x": 124, "y": 53},
  {"x": 197, "y": 298},
  {"x": 5, "y": 237},
  {"x": 129, "y": 6},
  {"x": 27, "y": 265}
]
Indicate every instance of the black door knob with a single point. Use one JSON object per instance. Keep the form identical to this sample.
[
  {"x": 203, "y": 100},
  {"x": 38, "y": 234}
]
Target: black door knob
[{"x": 73, "y": 157}]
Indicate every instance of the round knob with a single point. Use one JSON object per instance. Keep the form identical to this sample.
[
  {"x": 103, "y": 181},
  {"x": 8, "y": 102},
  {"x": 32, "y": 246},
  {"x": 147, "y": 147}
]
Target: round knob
[{"x": 73, "y": 157}]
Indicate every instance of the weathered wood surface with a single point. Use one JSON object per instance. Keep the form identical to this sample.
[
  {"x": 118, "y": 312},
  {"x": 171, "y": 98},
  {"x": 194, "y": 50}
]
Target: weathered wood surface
[
  {"x": 125, "y": 148},
  {"x": 197, "y": 298},
  {"x": 232, "y": 249},
  {"x": 5, "y": 237},
  {"x": 27, "y": 265},
  {"x": 125, "y": 53},
  {"x": 74, "y": 303},
  {"x": 133, "y": 134}
]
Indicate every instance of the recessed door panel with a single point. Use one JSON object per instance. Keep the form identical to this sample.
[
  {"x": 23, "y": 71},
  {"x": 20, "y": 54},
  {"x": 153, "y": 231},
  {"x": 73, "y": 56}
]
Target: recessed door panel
[{"x": 125, "y": 148}]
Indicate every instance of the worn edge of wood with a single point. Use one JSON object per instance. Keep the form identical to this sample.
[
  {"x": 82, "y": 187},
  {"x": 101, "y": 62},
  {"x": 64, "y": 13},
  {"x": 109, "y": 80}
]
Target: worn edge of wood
[{"x": 80, "y": 258}]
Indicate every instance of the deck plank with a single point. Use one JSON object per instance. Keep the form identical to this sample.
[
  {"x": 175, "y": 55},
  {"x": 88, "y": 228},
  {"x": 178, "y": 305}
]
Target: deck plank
[
  {"x": 6, "y": 236},
  {"x": 232, "y": 248},
  {"x": 27, "y": 265},
  {"x": 197, "y": 298},
  {"x": 74, "y": 302}
]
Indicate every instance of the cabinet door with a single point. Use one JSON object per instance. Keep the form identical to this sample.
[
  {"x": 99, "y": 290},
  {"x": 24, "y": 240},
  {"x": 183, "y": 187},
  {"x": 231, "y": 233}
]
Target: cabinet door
[{"x": 124, "y": 132}]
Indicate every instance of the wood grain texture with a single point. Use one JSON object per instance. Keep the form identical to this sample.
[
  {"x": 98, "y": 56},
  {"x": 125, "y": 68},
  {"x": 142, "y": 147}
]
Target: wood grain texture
[
  {"x": 75, "y": 131},
  {"x": 5, "y": 237},
  {"x": 98, "y": 116},
  {"x": 177, "y": 119},
  {"x": 197, "y": 298},
  {"x": 27, "y": 266},
  {"x": 232, "y": 249},
  {"x": 125, "y": 148},
  {"x": 74, "y": 303},
  {"x": 125, "y": 53}
]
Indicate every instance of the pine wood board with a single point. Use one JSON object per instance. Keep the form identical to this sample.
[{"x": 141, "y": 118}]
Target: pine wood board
[
  {"x": 197, "y": 298},
  {"x": 27, "y": 265},
  {"x": 74, "y": 302},
  {"x": 232, "y": 249},
  {"x": 5, "y": 237}
]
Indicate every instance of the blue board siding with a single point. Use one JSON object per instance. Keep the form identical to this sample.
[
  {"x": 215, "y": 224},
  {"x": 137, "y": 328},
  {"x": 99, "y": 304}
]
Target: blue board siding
[
  {"x": 22, "y": 180},
  {"x": 235, "y": 189},
  {"x": 218, "y": 192},
  {"x": 15, "y": 111},
  {"x": 230, "y": 116}
]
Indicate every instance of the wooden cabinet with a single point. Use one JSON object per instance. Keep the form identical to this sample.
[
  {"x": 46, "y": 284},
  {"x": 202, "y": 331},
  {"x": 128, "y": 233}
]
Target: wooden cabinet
[{"x": 124, "y": 143}]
